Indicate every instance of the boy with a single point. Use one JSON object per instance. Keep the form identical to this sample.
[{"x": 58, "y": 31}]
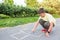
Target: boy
[{"x": 46, "y": 20}]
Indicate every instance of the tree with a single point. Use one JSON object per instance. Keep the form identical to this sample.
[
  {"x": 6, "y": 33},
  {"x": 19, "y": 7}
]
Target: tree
[
  {"x": 10, "y": 2},
  {"x": 32, "y": 3},
  {"x": 53, "y": 6}
]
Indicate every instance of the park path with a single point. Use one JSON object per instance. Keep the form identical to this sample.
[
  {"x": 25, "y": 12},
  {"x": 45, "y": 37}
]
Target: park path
[{"x": 23, "y": 32}]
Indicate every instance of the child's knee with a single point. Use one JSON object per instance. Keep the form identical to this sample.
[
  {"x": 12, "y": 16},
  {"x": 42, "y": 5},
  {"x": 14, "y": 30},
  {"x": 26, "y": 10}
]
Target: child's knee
[{"x": 46, "y": 25}]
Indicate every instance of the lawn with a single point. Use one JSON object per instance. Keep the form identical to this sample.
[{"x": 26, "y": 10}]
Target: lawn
[{"x": 11, "y": 22}]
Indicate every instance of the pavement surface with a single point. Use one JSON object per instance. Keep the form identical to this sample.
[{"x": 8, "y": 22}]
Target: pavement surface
[{"x": 23, "y": 32}]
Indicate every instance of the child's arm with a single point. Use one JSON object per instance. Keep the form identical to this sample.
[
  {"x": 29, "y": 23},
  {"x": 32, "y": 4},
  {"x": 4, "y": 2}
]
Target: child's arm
[
  {"x": 35, "y": 26},
  {"x": 51, "y": 26}
]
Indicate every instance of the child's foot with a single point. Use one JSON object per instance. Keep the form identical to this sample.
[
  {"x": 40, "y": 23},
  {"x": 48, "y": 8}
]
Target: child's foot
[
  {"x": 47, "y": 34},
  {"x": 43, "y": 30}
]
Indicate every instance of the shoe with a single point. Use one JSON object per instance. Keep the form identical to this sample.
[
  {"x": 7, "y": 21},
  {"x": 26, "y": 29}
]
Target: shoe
[{"x": 43, "y": 30}]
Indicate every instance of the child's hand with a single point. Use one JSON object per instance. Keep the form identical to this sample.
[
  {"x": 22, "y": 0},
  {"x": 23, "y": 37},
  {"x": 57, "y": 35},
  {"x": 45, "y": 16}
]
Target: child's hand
[
  {"x": 47, "y": 34},
  {"x": 33, "y": 30}
]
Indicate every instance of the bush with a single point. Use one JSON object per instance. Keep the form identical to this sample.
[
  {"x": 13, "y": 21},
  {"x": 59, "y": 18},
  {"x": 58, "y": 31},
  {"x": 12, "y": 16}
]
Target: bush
[{"x": 17, "y": 11}]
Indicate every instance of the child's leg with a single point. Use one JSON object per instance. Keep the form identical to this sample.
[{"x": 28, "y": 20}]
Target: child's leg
[
  {"x": 48, "y": 26},
  {"x": 42, "y": 23},
  {"x": 45, "y": 25}
]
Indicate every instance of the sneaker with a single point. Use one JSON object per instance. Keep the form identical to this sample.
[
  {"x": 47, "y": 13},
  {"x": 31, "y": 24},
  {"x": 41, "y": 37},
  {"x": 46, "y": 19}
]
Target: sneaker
[{"x": 43, "y": 30}]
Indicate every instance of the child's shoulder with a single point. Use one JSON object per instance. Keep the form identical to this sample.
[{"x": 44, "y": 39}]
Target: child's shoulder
[
  {"x": 39, "y": 17},
  {"x": 48, "y": 14}
]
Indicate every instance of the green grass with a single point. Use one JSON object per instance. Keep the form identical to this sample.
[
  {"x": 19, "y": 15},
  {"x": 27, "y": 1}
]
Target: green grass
[
  {"x": 2, "y": 16},
  {"x": 9, "y": 22}
]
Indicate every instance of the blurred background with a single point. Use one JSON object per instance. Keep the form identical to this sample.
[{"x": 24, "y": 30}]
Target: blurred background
[{"x": 16, "y": 12}]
